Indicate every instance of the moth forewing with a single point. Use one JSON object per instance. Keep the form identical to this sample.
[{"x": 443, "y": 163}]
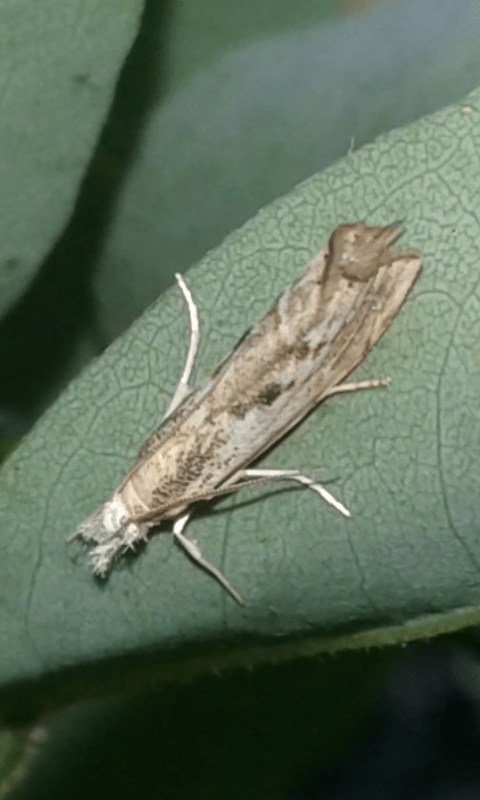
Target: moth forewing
[{"x": 315, "y": 334}]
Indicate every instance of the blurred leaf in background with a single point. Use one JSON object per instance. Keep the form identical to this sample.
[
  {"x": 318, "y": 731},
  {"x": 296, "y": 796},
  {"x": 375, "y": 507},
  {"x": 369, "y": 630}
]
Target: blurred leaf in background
[{"x": 219, "y": 110}]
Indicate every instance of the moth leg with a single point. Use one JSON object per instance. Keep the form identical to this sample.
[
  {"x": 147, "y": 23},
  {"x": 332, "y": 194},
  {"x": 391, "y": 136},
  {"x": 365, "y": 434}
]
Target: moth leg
[
  {"x": 355, "y": 387},
  {"x": 182, "y": 387},
  {"x": 295, "y": 475},
  {"x": 193, "y": 550}
]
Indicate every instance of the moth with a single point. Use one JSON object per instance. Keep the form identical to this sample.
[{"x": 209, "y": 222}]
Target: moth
[{"x": 314, "y": 335}]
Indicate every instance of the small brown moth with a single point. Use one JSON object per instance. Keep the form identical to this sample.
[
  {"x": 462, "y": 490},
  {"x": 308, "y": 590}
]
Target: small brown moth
[{"x": 295, "y": 356}]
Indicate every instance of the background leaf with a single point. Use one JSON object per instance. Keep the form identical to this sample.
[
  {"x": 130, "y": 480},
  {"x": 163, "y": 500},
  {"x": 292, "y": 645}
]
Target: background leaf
[{"x": 59, "y": 62}]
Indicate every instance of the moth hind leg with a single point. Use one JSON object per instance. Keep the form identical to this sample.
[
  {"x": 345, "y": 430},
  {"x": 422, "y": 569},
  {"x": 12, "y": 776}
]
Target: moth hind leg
[
  {"x": 183, "y": 386},
  {"x": 295, "y": 475},
  {"x": 356, "y": 386},
  {"x": 298, "y": 477}
]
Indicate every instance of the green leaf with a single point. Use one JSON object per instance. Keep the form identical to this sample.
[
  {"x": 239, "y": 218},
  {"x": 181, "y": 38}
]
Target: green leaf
[
  {"x": 253, "y": 728},
  {"x": 59, "y": 62},
  {"x": 17, "y": 751},
  {"x": 405, "y": 460}
]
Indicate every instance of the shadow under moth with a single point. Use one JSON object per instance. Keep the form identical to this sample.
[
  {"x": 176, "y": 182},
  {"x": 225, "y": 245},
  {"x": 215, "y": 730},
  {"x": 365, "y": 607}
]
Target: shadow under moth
[{"x": 314, "y": 335}]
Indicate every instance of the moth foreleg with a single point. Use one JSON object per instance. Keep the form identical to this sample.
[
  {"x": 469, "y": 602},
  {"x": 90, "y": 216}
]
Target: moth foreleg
[
  {"x": 192, "y": 549},
  {"x": 183, "y": 387}
]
